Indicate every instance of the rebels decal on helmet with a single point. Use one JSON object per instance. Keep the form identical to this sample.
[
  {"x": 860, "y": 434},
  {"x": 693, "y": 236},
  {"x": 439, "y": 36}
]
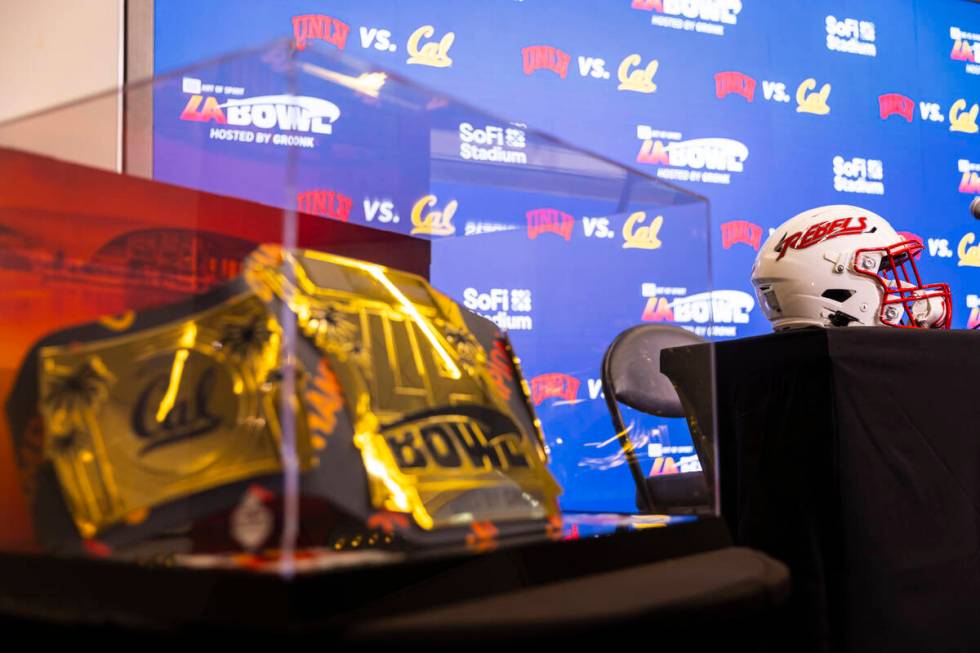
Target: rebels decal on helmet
[{"x": 820, "y": 232}]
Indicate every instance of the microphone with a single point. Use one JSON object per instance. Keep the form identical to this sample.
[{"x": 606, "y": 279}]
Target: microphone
[{"x": 975, "y": 207}]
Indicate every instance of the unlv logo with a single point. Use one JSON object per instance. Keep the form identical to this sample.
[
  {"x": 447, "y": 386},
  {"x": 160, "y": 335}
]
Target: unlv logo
[
  {"x": 547, "y": 57},
  {"x": 891, "y": 104},
  {"x": 730, "y": 82},
  {"x": 820, "y": 232},
  {"x": 541, "y": 221},
  {"x": 554, "y": 386},
  {"x": 325, "y": 203},
  {"x": 317, "y": 26},
  {"x": 741, "y": 231}
]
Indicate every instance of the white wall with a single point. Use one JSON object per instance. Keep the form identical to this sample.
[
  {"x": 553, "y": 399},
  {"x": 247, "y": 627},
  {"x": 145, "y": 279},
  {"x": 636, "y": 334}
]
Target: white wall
[{"x": 56, "y": 51}]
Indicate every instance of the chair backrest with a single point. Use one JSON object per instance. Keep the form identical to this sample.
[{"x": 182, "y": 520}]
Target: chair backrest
[
  {"x": 631, "y": 368},
  {"x": 631, "y": 375}
]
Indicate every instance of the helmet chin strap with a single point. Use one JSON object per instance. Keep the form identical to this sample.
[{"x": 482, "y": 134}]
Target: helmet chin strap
[
  {"x": 923, "y": 309},
  {"x": 841, "y": 319}
]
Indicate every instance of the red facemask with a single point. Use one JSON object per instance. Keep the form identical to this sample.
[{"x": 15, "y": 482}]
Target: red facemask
[{"x": 907, "y": 303}]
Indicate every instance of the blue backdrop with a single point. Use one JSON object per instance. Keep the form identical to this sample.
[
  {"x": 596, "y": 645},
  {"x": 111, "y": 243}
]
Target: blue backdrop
[{"x": 767, "y": 108}]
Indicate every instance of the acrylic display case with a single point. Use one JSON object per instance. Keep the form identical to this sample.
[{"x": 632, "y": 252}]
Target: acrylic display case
[{"x": 325, "y": 319}]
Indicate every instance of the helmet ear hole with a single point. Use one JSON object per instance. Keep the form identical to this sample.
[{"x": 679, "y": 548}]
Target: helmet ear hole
[{"x": 838, "y": 294}]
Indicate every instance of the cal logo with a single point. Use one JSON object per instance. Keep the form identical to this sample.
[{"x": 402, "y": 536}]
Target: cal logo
[
  {"x": 809, "y": 100},
  {"x": 961, "y": 120},
  {"x": 320, "y": 27},
  {"x": 541, "y": 221},
  {"x": 325, "y": 203},
  {"x": 891, "y": 104},
  {"x": 433, "y": 223},
  {"x": 165, "y": 413},
  {"x": 634, "y": 77},
  {"x": 968, "y": 252},
  {"x": 433, "y": 53},
  {"x": 741, "y": 231},
  {"x": 637, "y": 235},
  {"x": 547, "y": 57},
  {"x": 738, "y": 83},
  {"x": 554, "y": 386}
]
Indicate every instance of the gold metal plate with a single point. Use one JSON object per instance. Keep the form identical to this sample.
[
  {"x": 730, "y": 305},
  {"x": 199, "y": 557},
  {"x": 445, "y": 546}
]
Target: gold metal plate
[
  {"x": 436, "y": 437},
  {"x": 144, "y": 418}
]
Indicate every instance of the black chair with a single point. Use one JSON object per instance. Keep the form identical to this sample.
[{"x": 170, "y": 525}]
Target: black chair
[{"x": 631, "y": 375}]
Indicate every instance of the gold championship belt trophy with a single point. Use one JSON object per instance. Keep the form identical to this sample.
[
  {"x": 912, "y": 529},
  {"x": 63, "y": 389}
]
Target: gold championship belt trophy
[{"x": 164, "y": 432}]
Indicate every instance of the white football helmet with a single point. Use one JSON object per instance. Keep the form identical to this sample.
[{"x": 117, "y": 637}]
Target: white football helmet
[{"x": 845, "y": 266}]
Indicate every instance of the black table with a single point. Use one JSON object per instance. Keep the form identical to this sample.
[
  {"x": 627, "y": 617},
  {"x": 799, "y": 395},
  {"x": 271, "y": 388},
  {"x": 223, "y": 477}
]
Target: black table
[
  {"x": 618, "y": 582},
  {"x": 853, "y": 455}
]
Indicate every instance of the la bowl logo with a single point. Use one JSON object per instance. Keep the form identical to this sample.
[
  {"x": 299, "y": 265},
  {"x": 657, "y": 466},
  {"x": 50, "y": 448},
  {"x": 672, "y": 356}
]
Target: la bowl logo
[
  {"x": 545, "y": 57},
  {"x": 704, "y": 16},
  {"x": 285, "y": 112},
  {"x": 966, "y": 48},
  {"x": 554, "y": 386},
  {"x": 319, "y": 27},
  {"x": 547, "y": 220},
  {"x": 432, "y": 53},
  {"x": 296, "y": 113},
  {"x": 711, "y": 313},
  {"x": 705, "y": 160},
  {"x": 741, "y": 231},
  {"x": 731, "y": 81},
  {"x": 973, "y": 303},
  {"x": 892, "y": 104},
  {"x": 433, "y": 223},
  {"x": 970, "y": 179}
]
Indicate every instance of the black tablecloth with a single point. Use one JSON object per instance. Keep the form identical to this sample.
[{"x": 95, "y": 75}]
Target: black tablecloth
[{"x": 853, "y": 455}]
